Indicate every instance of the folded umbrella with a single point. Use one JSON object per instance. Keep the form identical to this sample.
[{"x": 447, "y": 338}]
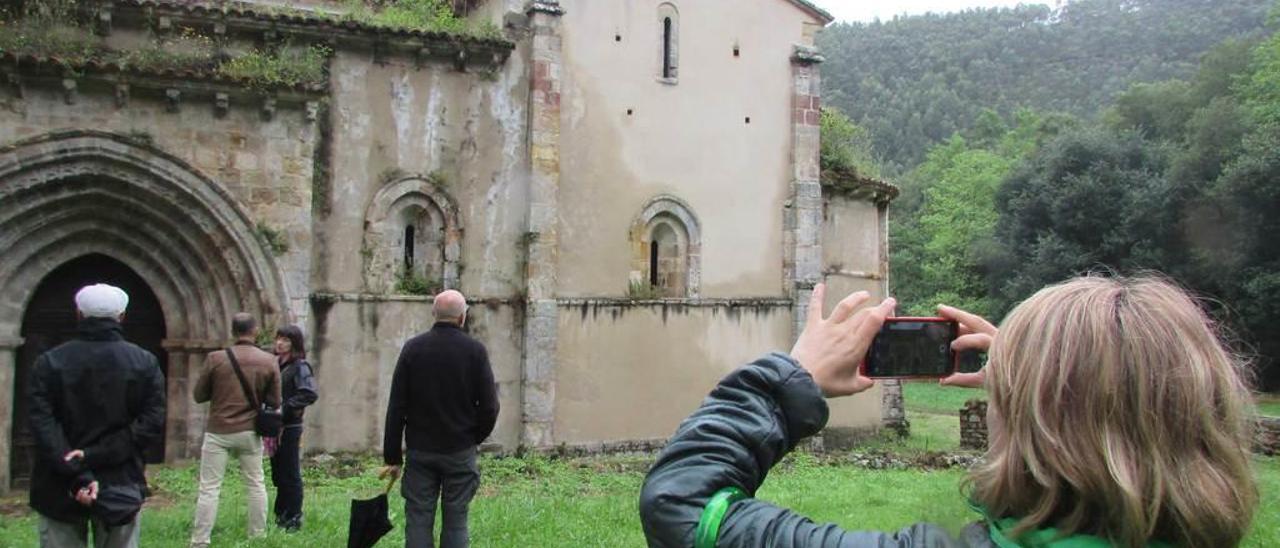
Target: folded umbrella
[{"x": 369, "y": 521}]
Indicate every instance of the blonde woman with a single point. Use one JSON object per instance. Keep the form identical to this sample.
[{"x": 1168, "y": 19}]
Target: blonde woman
[{"x": 1117, "y": 418}]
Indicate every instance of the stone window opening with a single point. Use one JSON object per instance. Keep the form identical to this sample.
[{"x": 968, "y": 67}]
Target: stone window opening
[
  {"x": 422, "y": 269},
  {"x": 412, "y": 239},
  {"x": 667, "y": 243},
  {"x": 408, "y": 247},
  {"x": 669, "y": 43}
]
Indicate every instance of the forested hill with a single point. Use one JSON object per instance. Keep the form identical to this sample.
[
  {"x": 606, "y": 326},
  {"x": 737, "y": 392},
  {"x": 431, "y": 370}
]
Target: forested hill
[{"x": 914, "y": 81}]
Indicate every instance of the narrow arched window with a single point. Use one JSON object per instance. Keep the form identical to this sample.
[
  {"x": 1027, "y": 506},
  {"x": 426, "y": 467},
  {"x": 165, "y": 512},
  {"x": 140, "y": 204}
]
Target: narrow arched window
[
  {"x": 666, "y": 48},
  {"x": 412, "y": 238},
  {"x": 669, "y": 46},
  {"x": 653, "y": 263},
  {"x": 408, "y": 246},
  {"x": 666, "y": 237}
]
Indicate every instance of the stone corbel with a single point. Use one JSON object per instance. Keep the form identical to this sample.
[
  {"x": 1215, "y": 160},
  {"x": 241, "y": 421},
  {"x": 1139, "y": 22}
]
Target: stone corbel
[
  {"x": 271, "y": 39},
  {"x": 103, "y": 23},
  {"x": 122, "y": 94},
  {"x": 172, "y": 97},
  {"x": 460, "y": 60},
  {"x": 164, "y": 24},
  {"x": 15, "y": 84},
  {"x": 268, "y": 108},
  {"x": 221, "y": 104},
  {"x": 69, "y": 86},
  {"x": 313, "y": 110}
]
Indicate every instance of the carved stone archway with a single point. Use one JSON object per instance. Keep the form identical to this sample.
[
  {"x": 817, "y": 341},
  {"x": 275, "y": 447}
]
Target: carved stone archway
[{"x": 69, "y": 194}]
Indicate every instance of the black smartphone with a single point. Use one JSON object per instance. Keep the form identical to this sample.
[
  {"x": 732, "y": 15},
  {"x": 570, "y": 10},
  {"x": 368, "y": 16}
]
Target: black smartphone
[{"x": 913, "y": 348}]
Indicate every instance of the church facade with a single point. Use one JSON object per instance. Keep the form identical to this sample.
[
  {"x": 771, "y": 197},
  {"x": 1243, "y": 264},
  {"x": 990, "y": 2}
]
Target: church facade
[{"x": 628, "y": 193}]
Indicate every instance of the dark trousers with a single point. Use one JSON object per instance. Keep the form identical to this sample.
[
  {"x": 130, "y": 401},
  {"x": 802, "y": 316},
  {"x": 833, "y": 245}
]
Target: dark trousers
[
  {"x": 453, "y": 479},
  {"x": 286, "y": 475}
]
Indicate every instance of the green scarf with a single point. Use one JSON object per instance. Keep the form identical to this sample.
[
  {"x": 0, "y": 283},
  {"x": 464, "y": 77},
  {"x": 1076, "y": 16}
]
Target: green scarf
[{"x": 1042, "y": 538}]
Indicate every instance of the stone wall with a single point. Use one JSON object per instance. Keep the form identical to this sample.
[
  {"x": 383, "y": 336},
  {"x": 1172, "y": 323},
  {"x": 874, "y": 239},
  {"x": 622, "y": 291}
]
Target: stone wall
[
  {"x": 973, "y": 425},
  {"x": 973, "y": 429},
  {"x": 264, "y": 164},
  {"x": 1266, "y": 438},
  {"x": 358, "y": 339}
]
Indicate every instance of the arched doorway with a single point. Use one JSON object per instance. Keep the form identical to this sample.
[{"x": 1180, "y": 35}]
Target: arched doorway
[
  {"x": 78, "y": 193},
  {"x": 50, "y": 320}
]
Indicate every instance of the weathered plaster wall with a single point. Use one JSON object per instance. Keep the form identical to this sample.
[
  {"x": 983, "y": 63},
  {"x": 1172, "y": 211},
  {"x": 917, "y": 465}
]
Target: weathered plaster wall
[
  {"x": 853, "y": 239},
  {"x": 636, "y": 372},
  {"x": 733, "y": 174},
  {"x": 851, "y": 248},
  {"x": 400, "y": 118},
  {"x": 356, "y": 350},
  {"x": 265, "y": 165}
]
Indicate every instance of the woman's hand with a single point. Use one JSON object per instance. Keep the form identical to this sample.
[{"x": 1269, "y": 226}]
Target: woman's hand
[
  {"x": 975, "y": 334},
  {"x": 832, "y": 349}
]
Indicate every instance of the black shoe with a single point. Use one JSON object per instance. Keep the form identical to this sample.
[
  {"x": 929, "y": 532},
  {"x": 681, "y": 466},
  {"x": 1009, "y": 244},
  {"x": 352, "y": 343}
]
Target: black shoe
[{"x": 292, "y": 525}]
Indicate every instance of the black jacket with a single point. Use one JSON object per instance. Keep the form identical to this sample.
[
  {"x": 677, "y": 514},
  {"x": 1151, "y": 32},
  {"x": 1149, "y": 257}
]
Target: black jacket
[
  {"x": 443, "y": 399},
  {"x": 102, "y": 395},
  {"x": 297, "y": 390},
  {"x": 756, "y": 415}
]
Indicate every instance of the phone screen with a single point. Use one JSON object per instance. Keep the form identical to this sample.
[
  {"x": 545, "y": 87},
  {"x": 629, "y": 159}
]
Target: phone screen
[{"x": 912, "y": 347}]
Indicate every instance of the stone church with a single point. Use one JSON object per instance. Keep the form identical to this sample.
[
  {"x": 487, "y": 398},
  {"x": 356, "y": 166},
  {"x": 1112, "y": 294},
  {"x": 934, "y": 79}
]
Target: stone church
[{"x": 628, "y": 192}]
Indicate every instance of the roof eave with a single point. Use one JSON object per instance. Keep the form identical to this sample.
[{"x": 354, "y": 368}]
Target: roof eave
[{"x": 812, "y": 9}]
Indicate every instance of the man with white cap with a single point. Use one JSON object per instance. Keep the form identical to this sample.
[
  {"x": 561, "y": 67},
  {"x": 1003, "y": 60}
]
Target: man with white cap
[{"x": 97, "y": 402}]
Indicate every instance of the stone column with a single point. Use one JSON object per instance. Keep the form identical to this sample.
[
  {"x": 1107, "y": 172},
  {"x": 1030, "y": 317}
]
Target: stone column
[
  {"x": 893, "y": 412},
  {"x": 538, "y": 385},
  {"x": 803, "y": 216},
  {"x": 8, "y": 362},
  {"x": 177, "y": 402}
]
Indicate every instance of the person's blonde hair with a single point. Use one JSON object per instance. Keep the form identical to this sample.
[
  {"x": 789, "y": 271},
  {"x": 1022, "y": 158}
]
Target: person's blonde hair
[{"x": 1116, "y": 411}]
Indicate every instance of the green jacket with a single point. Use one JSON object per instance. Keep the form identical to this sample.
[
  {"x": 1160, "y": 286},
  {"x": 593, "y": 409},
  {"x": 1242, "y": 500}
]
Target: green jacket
[{"x": 754, "y": 417}]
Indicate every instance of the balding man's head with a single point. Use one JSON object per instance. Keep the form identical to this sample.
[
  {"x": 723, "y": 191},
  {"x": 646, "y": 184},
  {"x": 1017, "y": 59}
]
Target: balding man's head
[
  {"x": 450, "y": 306},
  {"x": 243, "y": 326}
]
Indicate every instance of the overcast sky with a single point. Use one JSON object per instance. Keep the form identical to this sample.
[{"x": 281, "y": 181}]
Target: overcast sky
[{"x": 868, "y": 10}]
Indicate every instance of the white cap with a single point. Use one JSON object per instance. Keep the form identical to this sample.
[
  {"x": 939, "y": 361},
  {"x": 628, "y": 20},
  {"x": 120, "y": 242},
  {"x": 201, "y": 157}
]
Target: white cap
[{"x": 101, "y": 301}]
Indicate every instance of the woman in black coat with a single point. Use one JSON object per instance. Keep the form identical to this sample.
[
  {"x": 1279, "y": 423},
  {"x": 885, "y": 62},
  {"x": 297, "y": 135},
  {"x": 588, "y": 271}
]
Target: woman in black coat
[{"x": 297, "y": 390}]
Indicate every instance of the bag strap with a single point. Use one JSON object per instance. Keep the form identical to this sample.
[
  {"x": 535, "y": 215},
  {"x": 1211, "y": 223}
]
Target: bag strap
[{"x": 244, "y": 384}]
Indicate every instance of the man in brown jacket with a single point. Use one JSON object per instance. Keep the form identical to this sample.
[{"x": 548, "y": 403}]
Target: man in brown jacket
[{"x": 229, "y": 430}]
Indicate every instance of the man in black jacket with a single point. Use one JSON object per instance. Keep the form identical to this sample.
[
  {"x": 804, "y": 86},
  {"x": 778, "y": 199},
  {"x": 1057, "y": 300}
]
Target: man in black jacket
[
  {"x": 96, "y": 403},
  {"x": 443, "y": 404}
]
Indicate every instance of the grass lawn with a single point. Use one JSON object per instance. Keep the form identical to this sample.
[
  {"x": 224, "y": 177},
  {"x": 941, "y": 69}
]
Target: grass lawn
[
  {"x": 1269, "y": 404},
  {"x": 929, "y": 397},
  {"x": 585, "y": 502}
]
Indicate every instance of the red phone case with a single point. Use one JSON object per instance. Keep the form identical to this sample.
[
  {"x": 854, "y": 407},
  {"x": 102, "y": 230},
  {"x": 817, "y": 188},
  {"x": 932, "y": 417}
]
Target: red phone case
[{"x": 955, "y": 358}]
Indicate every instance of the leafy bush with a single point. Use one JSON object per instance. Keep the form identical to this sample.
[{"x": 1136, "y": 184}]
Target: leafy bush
[
  {"x": 846, "y": 146},
  {"x": 287, "y": 66},
  {"x": 48, "y": 37},
  {"x": 425, "y": 15},
  {"x": 409, "y": 282},
  {"x": 188, "y": 50},
  {"x": 643, "y": 291}
]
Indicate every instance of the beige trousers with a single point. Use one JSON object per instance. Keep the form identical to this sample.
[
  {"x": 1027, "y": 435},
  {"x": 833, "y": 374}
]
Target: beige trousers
[{"x": 247, "y": 448}]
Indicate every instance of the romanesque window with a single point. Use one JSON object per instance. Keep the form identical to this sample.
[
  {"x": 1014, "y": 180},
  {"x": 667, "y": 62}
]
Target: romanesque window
[
  {"x": 412, "y": 239},
  {"x": 422, "y": 243},
  {"x": 669, "y": 54},
  {"x": 667, "y": 243}
]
